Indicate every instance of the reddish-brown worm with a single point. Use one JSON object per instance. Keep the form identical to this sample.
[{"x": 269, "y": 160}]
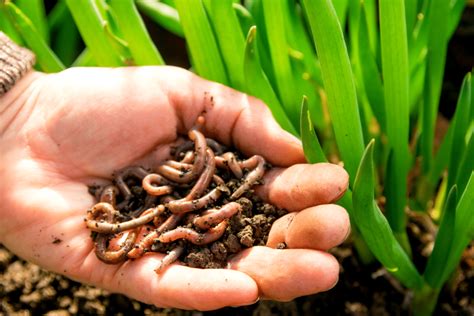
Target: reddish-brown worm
[
  {"x": 188, "y": 157},
  {"x": 178, "y": 165},
  {"x": 182, "y": 206},
  {"x": 200, "y": 147},
  {"x": 170, "y": 258},
  {"x": 170, "y": 223},
  {"x": 114, "y": 256},
  {"x": 212, "y": 217},
  {"x": 256, "y": 162},
  {"x": 229, "y": 161},
  {"x": 193, "y": 236},
  {"x": 154, "y": 185},
  {"x": 108, "y": 228}
]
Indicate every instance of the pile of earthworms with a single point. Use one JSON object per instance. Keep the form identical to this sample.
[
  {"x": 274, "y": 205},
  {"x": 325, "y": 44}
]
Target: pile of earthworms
[{"x": 185, "y": 199}]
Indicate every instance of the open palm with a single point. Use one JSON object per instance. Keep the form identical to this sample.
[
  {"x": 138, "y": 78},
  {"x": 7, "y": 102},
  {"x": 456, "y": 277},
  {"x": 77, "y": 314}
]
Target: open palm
[{"x": 62, "y": 132}]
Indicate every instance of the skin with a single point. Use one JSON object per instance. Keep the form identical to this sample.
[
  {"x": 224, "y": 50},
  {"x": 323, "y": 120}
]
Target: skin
[{"x": 61, "y": 132}]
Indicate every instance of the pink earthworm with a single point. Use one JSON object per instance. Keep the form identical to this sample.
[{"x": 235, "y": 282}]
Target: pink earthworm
[
  {"x": 108, "y": 228},
  {"x": 154, "y": 185},
  {"x": 183, "y": 206},
  {"x": 200, "y": 147},
  {"x": 229, "y": 161},
  {"x": 191, "y": 201},
  {"x": 178, "y": 165},
  {"x": 170, "y": 258},
  {"x": 213, "y": 217},
  {"x": 170, "y": 223},
  {"x": 256, "y": 162},
  {"x": 193, "y": 236},
  {"x": 188, "y": 157}
]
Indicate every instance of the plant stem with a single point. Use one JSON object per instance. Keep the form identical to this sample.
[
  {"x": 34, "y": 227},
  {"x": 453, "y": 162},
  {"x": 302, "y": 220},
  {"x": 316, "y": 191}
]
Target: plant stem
[{"x": 424, "y": 301}]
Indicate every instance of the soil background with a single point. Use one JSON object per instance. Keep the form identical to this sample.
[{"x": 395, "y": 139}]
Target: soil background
[{"x": 26, "y": 289}]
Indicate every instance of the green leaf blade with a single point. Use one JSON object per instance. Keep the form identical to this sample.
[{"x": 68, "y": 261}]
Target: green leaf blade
[
  {"x": 257, "y": 83},
  {"x": 396, "y": 73},
  {"x": 311, "y": 146},
  {"x": 230, "y": 39},
  {"x": 374, "y": 227},
  {"x": 205, "y": 54},
  {"x": 437, "y": 261},
  {"x": 163, "y": 14},
  {"x": 45, "y": 57},
  {"x": 338, "y": 81},
  {"x": 143, "y": 51},
  {"x": 274, "y": 12},
  {"x": 91, "y": 25}
]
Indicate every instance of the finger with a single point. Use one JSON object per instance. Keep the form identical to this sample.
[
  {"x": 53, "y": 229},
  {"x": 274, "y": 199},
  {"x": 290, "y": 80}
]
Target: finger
[
  {"x": 178, "y": 286},
  {"x": 321, "y": 227},
  {"x": 303, "y": 185},
  {"x": 231, "y": 117},
  {"x": 286, "y": 274}
]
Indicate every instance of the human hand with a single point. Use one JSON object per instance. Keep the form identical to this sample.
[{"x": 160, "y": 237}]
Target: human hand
[{"x": 62, "y": 132}]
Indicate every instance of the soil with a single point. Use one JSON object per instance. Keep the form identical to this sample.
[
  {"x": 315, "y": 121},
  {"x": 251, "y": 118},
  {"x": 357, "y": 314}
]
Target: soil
[{"x": 26, "y": 289}]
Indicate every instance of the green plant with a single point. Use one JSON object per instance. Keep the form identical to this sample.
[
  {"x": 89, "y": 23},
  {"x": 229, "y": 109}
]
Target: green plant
[{"x": 380, "y": 80}]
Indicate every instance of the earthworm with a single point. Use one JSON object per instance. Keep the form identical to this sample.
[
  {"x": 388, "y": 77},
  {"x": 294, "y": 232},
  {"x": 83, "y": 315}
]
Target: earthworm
[
  {"x": 146, "y": 242},
  {"x": 193, "y": 236},
  {"x": 188, "y": 157},
  {"x": 109, "y": 195},
  {"x": 183, "y": 206},
  {"x": 214, "y": 216},
  {"x": 228, "y": 160},
  {"x": 178, "y": 165},
  {"x": 198, "y": 165},
  {"x": 107, "y": 228},
  {"x": 114, "y": 256},
  {"x": 256, "y": 162},
  {"x": 150, "y": 182},
  {"x": 135, "y": 171},
  {"x": 170, "y": 258}
]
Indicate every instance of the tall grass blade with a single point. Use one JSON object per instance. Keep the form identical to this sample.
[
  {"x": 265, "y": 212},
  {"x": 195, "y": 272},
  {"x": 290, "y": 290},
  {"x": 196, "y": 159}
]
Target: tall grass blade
[
  {"x": 85, "y": 59},
  {"x": 163, "y": 14},
  {"x": 463, "y": 229},
  {"x": 274, "y": 12},
  {"x": 202, "y": 45},
  {"x": 456, "y": 9},
  {"x": 91, "y": 24},
  {"x": 245, "y": 17},
  {"x": 45, "y": 57},
  {"x": 465, "y": 164},
  {"x": 438, "y": 258},
  {"x": 395, "y": 74},
  {"x": 143, "y": 51},
  {"x": 311, "y": 146},
  {"x": 257, "y": 83},
  {"x": 460, "y": 124},
  {"x": 35, "y": 11},
  {"x": 338, "y": 80},
  {"x": 7, "y": 27},
  {"x": 374, "y": 227},
  {"x": 437, "y": 42},
  {"x": 230, "y": 39},
  {"x": 341, "y": 7},
  {"x": 370, "y": 73}
]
